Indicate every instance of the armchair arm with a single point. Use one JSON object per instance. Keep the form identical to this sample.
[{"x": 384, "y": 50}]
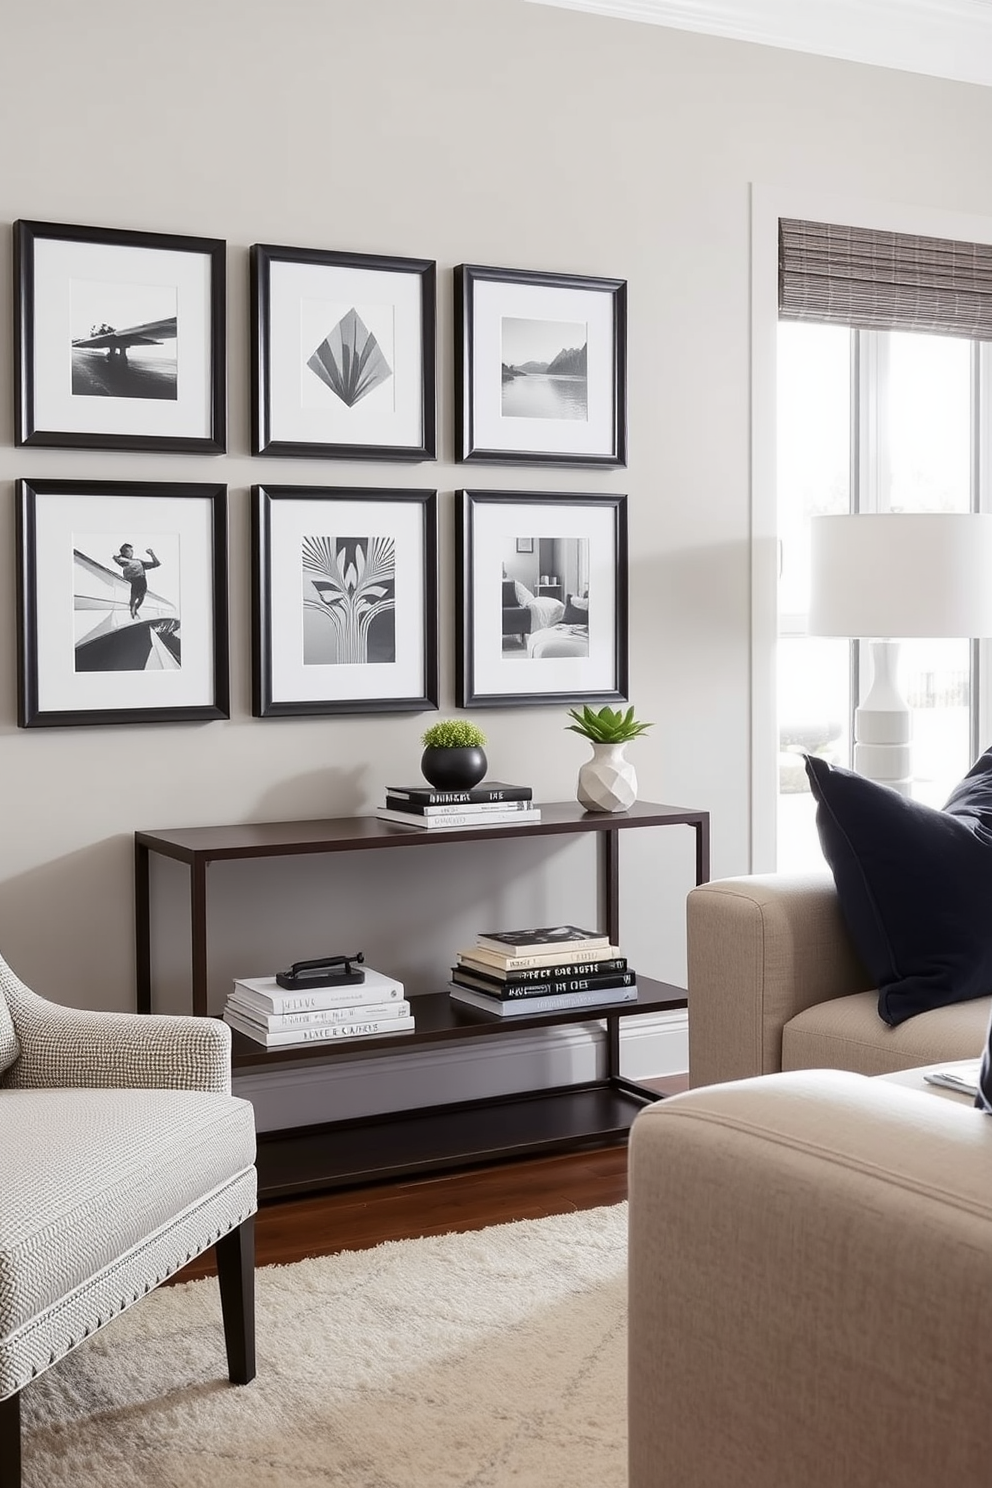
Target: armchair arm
[
  {"x": 65, "y": 1047},
  {"x": 760, "y": 950}
]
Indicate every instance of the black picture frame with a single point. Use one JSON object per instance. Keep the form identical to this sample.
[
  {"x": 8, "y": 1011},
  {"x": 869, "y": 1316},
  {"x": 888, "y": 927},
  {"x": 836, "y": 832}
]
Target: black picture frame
[
  {"x": 110, "y": 388},
  {"x": 314, "y": 608},
  {"x": 128, "y": 649},
  {"x": 390, "y": 413},
  {"x": 521, "y": 641},
  {"x": 521, "y": 412}
]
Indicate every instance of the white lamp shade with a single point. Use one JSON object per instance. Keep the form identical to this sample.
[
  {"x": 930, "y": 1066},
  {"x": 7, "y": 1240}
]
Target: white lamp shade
[{"x": 901, "y": 574}]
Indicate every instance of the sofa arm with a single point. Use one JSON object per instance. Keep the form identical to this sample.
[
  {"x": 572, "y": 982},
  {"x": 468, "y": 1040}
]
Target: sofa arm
[
  {"x": 760, "y": 950},
  {"x": 64, "y": 1047},
  {"x": 809, "y": 1286}
]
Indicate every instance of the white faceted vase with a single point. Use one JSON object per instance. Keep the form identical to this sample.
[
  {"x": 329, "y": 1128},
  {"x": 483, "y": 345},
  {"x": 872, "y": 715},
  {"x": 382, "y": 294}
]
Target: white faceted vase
[{"x": 607, "y": 782}]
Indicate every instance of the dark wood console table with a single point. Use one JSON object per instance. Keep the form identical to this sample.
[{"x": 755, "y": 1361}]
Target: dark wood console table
[{"x": 432, "y": 1138}]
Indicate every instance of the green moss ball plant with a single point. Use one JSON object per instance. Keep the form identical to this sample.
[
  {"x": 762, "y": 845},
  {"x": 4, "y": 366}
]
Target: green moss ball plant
[{"x": 453, "y": 733}]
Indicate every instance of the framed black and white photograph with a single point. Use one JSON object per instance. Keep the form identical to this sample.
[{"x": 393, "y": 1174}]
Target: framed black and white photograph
[
  {"x": 344, "y": 585},
  {"x": 122, "y": 602},
  {"x": 544, "y": 624},
  {"x": 540, "y": 363},
  {"x": 343, "y": 354},
  {"x": 120, "y": 339}
]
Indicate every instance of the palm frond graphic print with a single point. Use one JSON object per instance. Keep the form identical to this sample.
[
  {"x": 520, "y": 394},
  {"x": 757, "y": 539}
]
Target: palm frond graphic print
[{"x": 350, "y": 583}]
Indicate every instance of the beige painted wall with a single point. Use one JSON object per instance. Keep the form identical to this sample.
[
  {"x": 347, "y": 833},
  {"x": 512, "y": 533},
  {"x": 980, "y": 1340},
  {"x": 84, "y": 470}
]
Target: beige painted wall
[{"x": 486, "y": 131}]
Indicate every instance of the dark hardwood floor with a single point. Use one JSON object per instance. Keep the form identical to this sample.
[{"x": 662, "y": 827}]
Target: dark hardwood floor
[{"x": 465, "y": 1199}]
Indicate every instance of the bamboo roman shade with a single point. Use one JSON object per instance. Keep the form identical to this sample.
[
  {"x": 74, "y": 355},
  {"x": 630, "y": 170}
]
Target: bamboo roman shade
[{"x": 884, "y": 280}]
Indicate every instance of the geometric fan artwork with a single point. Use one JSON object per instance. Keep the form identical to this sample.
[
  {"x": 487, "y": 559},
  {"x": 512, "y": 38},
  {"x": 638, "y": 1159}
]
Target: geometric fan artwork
[
  {"x": 349, "y": 360},
  {"x": 349, "y": 600}
]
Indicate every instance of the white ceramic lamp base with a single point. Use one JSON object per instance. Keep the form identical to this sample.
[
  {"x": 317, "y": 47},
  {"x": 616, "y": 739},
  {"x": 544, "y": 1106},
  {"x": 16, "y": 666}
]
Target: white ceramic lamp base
[{"x": 883, "y": 725}]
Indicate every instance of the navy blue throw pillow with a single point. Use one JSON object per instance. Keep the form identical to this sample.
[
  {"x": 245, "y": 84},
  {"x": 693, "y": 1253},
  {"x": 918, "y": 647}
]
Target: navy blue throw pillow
[{"x": 914, "y": 884}]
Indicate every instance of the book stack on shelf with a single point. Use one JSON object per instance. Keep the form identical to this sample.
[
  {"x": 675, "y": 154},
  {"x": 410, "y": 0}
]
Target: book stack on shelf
[
  {"x": 491, "y": 804},
  {"x": 277, "y": 1018},
  {"x": 516, "y": 972}
]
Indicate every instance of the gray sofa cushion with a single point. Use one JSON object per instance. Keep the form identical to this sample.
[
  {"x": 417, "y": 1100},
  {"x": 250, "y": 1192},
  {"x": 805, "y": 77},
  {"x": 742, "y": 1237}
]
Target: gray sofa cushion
[{"x": 85, "y": 1175}]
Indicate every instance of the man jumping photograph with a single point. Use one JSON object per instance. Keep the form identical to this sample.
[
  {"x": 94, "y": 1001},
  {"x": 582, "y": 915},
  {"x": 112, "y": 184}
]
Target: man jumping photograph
[{"x": 135, "y": 570}]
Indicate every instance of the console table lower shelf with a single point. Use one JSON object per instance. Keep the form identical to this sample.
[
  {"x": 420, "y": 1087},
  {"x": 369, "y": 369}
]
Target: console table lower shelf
[
  {"x": 416, "y": 1143},
  {"x": 430, "y": 1139}
]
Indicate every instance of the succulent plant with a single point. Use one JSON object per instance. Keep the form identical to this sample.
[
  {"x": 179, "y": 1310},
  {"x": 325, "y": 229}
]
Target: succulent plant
[
  {"x": 453, "y": 733},
  {"x": 607, "y": 726}
]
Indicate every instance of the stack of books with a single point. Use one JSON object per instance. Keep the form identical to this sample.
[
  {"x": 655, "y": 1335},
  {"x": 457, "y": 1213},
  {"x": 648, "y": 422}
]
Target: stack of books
[
  {"x": 516, "y": 972},
  {"x": 264, "y": 1011},
  {"x": 492, "y": 804}
]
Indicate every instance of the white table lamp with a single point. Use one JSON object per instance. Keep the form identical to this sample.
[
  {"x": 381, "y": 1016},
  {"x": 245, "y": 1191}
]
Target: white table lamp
[{"x": 888, "y": 576}]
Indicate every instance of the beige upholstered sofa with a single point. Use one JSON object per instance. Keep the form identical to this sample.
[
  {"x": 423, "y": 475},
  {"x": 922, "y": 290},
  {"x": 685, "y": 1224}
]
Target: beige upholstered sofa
[
  {"x": 775, "y": 984},
  {"x": 811, "y": 1285}
]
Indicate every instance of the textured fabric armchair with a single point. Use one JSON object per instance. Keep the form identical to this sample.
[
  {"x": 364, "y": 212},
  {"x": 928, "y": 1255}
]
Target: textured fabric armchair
[{"x": 123, "y": 1155}]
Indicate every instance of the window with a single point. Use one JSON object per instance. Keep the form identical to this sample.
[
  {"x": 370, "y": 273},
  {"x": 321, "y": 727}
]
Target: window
[{"x": 869, "y": 420}]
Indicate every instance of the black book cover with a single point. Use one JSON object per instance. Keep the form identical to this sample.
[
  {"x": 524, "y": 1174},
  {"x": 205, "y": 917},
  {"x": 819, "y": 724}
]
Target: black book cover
[
  {"x": 559, "y": 987},
  {"x": 424, "y": 808},
  {"x": 519, "y": 983},
  {"x": 489, "y": 790}
]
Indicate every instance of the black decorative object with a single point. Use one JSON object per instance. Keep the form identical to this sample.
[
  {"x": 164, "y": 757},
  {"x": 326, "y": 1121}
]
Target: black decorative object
[
  {"x": 454, "y": 769},
  {"x": 323, "y": 971}
]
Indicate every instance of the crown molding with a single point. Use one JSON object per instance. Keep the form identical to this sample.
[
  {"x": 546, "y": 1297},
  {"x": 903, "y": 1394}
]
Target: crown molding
[{"x": 941, "y": 38}]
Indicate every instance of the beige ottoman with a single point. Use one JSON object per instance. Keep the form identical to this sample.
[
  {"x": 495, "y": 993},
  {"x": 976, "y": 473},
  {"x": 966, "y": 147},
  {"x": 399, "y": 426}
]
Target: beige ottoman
[{"x": 811, "y": 1286}]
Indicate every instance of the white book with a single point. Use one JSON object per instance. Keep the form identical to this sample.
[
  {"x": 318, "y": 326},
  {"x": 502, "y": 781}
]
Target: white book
[
  {"x": 964, "y": 1078},
  {"x": 321, "y": 1033},
  {"x": 518, "y": 1007},
  {"x": 536, "y": 965},
  {"x": 278, "y": 1022},
  {"x": 461, "y": 808},
  {"x": 458, "y": 819},
  {"x": 266, "y": 994}
]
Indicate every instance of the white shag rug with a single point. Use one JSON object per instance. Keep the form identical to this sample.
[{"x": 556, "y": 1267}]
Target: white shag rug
[{"x": 459, "y": 1361}]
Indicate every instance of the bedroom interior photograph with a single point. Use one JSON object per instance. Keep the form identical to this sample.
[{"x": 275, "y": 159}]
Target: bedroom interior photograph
[{"x": 496, "y": 744}]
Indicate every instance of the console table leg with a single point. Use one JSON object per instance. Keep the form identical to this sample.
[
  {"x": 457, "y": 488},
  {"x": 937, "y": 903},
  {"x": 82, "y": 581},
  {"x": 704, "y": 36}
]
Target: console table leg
[
  {"x": 612, "y": 1048},
  {"x": 198, "y": 936},
  {"x": 703, "y": 851},
  {"x": 142, "y": 930},
  {"x": 610, "y": 883}
]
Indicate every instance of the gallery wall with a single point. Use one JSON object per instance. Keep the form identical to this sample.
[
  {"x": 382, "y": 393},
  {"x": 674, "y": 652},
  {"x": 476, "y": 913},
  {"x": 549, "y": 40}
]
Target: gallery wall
[{"x": 465, "y": 131}]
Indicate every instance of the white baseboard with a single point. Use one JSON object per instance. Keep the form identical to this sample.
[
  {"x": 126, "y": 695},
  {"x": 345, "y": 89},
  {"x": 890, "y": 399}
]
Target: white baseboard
[
  {"x": 655, "y": 1044},
  {"x": 310, "y": 1093}
]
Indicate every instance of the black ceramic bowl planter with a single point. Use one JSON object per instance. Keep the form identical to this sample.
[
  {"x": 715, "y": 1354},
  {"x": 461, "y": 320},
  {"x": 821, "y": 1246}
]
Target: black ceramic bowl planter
[
  {"x": 454, "y": 768},
  {"x": 454, "y": 758}
]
